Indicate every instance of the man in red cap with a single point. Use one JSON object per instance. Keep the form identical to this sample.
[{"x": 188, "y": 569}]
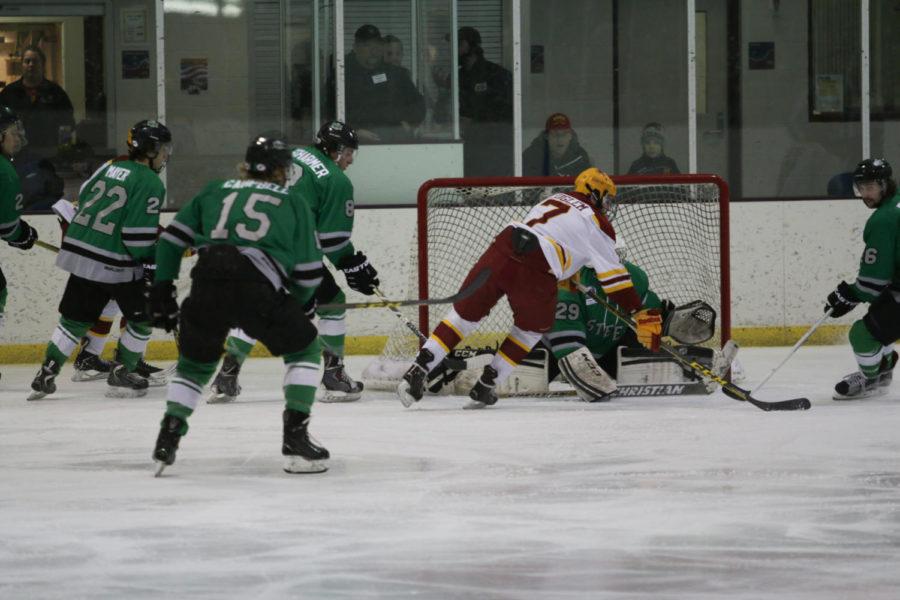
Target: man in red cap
[{"x": 555, "y": 151}]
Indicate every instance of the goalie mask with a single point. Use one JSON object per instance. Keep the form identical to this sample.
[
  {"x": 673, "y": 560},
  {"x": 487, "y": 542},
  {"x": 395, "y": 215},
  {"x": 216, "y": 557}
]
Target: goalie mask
[{"x": 597, "y": 186}]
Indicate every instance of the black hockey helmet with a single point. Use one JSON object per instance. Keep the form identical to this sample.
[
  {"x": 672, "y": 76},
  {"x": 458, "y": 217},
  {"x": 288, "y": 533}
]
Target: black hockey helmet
[
  {"x": 334, "y": 136},
  {"x": 147, "y": 138},
  {"x": 874, "y": 169},
  {"x": 267, "y": 153}
]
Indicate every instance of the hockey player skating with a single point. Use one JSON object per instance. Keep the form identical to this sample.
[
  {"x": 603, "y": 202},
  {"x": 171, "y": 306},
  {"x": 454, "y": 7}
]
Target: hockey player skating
[
  {"x": 255, "y": 244},
  {"x": 318, "y": 175},
  {"x": 106, "y": 248},
  {"x": 557, "y": 237},
  {"x": 88, "y": 364},
  {"x": 878, "y": 284},
  {"x": 13, "y": 230}
]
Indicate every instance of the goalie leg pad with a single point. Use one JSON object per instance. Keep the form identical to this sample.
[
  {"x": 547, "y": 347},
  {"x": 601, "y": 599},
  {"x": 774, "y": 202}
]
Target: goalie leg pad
[{"x": 590, "y": 381}]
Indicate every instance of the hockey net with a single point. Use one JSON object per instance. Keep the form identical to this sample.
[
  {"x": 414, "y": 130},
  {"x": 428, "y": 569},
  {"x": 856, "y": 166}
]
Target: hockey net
[{"x": 673, "y": 227}]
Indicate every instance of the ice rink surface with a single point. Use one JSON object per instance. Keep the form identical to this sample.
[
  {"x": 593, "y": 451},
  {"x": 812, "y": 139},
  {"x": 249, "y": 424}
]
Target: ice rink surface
[{"x": 691, "y": 497}]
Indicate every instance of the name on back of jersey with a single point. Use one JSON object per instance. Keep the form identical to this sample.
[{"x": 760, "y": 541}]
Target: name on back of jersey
[
  {"x": 239, "y": 184},
  {"x": 311, "y": 161},
  {"x": 117, "y": 173}
]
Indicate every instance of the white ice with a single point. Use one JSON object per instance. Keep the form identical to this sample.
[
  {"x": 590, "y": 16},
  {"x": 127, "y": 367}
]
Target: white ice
[{"x": 690, "y": 497}]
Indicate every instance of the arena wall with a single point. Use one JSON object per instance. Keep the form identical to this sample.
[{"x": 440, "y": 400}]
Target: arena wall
[{"x": 785, "y": 258}]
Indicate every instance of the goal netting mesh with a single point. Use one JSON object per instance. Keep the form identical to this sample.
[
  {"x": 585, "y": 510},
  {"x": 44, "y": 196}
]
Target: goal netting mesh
[{"x": 673, "y": 227}]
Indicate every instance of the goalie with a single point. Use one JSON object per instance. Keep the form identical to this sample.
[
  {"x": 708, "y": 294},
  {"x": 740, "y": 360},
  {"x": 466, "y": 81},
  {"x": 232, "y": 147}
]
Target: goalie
[{"x": 599, "y": 355}]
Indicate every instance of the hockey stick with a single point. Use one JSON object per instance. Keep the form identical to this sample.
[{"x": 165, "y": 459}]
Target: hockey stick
[
  {"x": 46, "y": 246},
  {"x": 796, "y": 347},
  {"x": 460, "y": 295},
  {"x": 454, "y": 364},
  {"x": 407, "y": 322},
  {"x": 728, "y": 388}
]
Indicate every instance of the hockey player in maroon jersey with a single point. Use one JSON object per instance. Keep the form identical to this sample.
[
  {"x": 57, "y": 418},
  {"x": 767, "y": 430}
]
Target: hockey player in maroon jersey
[{"x": 561, "y": 234}]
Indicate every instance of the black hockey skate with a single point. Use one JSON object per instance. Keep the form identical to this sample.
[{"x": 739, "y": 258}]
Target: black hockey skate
[
  {"x": 155, "y": 376},
  {"x": 301, "y": 453},
  {"x": 339, "y": 387},
  {"x": 225, "y": 387},
  {"x": 857, "y": 386},
  {"x": 483, "y": 393},
  {"x": 44, "y": 382},
  {"x": 122, "y": 384},
  {"x": 170, "y": 431},
  {"x": 412, "y": 386},
  {"x": 89, "y": 366}
]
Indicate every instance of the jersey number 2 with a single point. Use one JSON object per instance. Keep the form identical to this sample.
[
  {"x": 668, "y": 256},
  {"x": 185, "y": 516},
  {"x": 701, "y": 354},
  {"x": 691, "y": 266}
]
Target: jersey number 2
[{"x": 241, "y": 230}]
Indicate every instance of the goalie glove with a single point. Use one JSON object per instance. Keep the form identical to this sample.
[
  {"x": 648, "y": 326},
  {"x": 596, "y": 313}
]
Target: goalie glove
[
  {"x": 162, "y": 305},
  {"x": 649, "y": 328},
  {"x": 361, "y": 276},
  {"x": 842, "y": 300}
]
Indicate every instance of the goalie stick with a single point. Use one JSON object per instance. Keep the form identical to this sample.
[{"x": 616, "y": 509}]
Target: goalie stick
[
  {"x": 728, "y": 388},
  {"x": 460, "y": 295}
]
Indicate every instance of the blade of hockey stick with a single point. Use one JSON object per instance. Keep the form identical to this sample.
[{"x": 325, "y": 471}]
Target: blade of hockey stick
[
  {"x": 796, "y": 347},
  {"x": 461, "y": 294},
  {"x": 450, "y": 362},
  {"x": 46, "y": 246},
  {"x": 728, "y": 388}
]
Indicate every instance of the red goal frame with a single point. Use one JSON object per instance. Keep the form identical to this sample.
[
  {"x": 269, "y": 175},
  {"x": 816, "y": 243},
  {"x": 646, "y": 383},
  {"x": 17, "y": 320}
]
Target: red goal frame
[{"x": 724, "y": 227}]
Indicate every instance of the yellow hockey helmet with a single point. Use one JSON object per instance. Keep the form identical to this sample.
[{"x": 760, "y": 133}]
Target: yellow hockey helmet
[{"x": 597, "y": 185}]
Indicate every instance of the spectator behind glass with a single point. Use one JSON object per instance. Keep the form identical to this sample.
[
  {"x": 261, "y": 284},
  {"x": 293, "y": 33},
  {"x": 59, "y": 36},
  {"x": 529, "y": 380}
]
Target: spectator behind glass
[
  {"x": 555, "y": 151},
  {"x": 393, "y": 50},
  {"x": 485, "y": 109},
  {"x": 42, "y": 104},
  {"x": 654, "y": 160},
  {"x": 383, "y": 105}
]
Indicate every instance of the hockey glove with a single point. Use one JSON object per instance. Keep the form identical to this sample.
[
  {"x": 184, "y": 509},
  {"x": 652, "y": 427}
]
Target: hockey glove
[
  {"x": 27, "y": 237},
  {"x": 149, "y": 274},
  {"x": 162, "y": 305},
  {"x": 842, "y": 300},
  {"x": 649, "y": 328},
  {"x": 361, "y": 276}
]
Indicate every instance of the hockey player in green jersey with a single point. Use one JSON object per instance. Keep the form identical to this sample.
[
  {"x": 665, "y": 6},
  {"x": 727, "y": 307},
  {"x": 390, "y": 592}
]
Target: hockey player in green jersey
[
  {"x": 107, "y": 250},
  {"x": 13, "y": 230},
  {"x": 258, "y": 268},
  {"x": 877, "y": 283},
  {"x": 586, "y": 332},
  {"x": 318, "y": 174}
]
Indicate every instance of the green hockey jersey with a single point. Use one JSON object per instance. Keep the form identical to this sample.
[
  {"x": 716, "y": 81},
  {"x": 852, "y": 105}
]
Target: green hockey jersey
[
  {"x": 580, "y": 321},
  {"x": 268, "y": 224},
  {"x": 115, "y": 229},
  {"x": 10, "y": 201},
  {"x": 329, "y": 194},
  {"x": 879, "y": 265}
]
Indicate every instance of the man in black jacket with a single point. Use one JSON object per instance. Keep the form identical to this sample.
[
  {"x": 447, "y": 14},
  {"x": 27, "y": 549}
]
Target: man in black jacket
[
  {"x": 43, "y": 105},
  {"x": 555, "y": 151},
  {"x": 383, "y": 104},
  {"x": 485, "y": 109}
]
